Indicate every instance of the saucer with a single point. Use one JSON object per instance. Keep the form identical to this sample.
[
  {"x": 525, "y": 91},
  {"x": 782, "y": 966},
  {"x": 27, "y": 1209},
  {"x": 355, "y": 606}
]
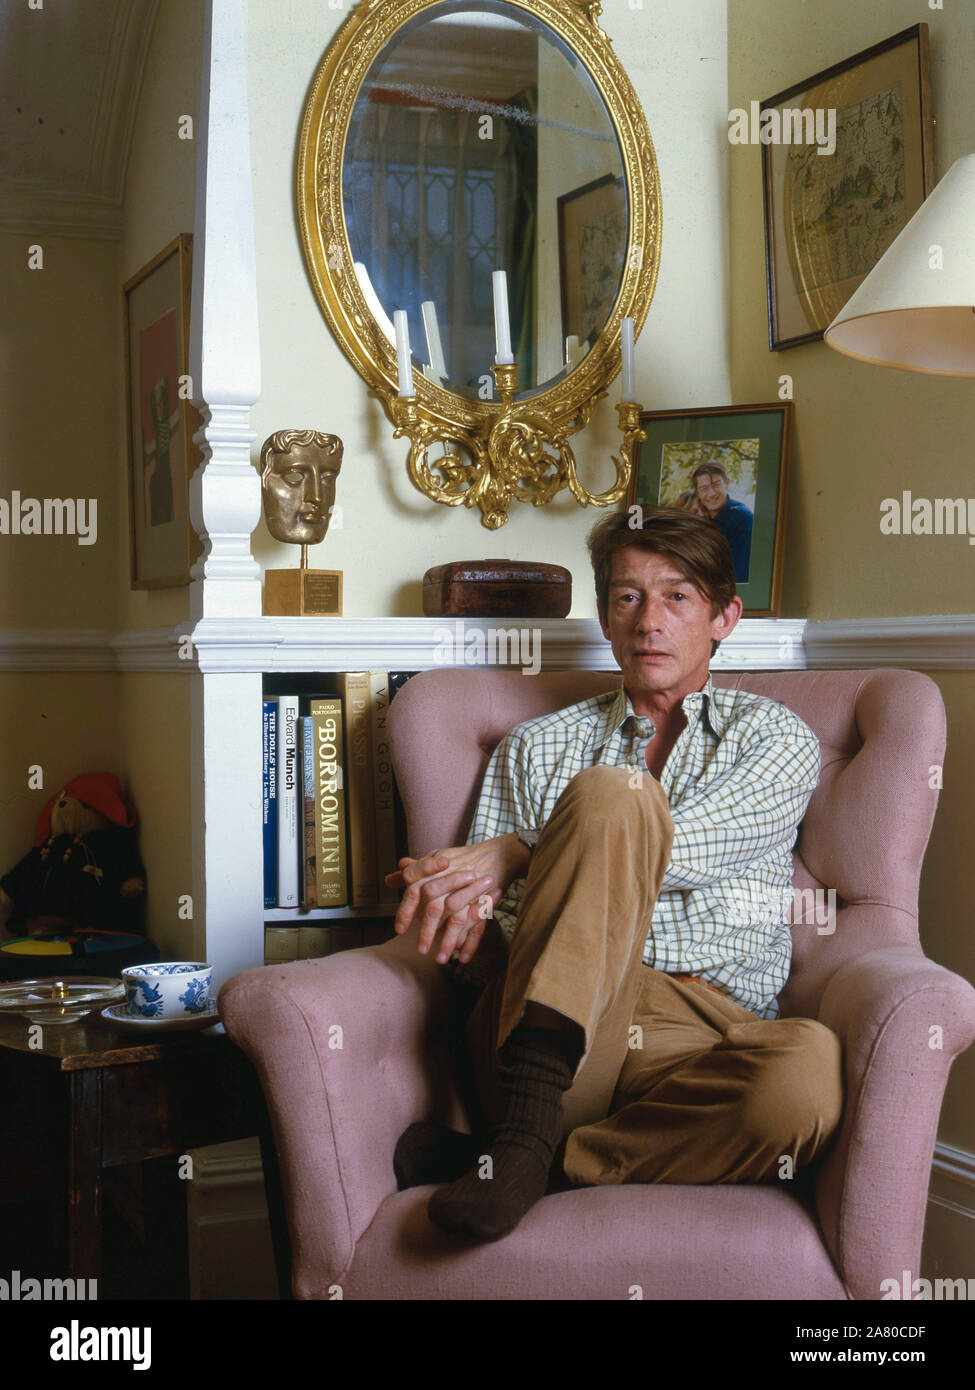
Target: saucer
[
  {"x": 118, "y": 1014},
  {"x": 59, "y": 1001}
]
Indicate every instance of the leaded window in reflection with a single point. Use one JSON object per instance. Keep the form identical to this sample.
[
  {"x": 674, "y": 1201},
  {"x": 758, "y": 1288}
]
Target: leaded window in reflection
[{"x": 437, "y": 226}]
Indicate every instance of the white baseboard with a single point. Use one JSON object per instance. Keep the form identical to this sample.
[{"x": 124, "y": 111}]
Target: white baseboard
[
  {"x": 949, "y": 1232},
  {"x": 229, "y": 1235}
]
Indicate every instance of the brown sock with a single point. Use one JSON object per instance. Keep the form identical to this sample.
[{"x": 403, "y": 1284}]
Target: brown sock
[
  {"x": 536, "y": 1065},
  {"x": 430, "y": 1152}
]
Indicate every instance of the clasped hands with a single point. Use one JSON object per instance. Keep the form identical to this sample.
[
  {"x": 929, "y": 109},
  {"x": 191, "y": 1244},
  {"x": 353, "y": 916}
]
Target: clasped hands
[{"x": 448, "y": 893}]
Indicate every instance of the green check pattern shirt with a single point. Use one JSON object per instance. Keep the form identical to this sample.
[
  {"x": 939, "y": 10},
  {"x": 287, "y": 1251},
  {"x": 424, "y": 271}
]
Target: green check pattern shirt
[{"x": 738, "y": 781}]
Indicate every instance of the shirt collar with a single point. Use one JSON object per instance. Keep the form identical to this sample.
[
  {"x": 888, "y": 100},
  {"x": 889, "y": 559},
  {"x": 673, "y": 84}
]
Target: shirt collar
[{"x": 616, "y": 710}]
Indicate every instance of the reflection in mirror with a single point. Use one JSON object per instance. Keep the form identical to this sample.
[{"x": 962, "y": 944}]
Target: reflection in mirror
[{"x": 479, "y": 142}]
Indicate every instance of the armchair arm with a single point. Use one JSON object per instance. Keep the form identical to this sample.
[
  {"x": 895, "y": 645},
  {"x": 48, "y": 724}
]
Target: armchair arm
[
  {"x": 349, "y": 1050},
  {"x": 902, "y": 1020}
]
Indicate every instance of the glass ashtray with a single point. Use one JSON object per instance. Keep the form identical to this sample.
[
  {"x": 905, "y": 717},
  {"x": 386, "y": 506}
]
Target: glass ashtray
[{"x": 59, "y": 1001}]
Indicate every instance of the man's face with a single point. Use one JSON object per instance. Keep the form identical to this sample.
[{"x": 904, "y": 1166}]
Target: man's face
[
  {"x": 299, "y": 493},
  {"x": 712, "y": 492},
  {"x": 660, "y": 625}
]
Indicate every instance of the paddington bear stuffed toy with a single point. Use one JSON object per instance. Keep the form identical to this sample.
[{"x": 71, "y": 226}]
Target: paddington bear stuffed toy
[{"x": 85, "y": 869}]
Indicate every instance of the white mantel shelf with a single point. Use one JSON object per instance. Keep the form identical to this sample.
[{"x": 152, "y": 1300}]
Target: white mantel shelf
[
  {"x": 255, "y": 645},
  {"x": 407, "y": 644}
]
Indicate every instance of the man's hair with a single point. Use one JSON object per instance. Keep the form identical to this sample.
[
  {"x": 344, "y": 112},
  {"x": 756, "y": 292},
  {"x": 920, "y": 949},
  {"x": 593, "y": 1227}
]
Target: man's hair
[
  {"x": 697, "y": 547},
  {"x": 713, "y": 467}
]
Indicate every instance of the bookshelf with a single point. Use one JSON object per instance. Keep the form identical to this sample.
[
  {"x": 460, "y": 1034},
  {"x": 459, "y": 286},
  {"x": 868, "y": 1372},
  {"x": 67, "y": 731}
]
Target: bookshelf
[
  {"x": 296, "y": 917},
  {"x": 327, "y": 929},
  {"x": 237, "y": 660}
]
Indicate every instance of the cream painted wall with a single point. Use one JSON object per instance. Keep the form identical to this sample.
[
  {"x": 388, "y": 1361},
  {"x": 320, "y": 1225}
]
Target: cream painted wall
[
  {"x": 154, "y": 710},
  {"x": 57, "y": 440},
  {"x": 66, "y": 724},
  {"x": 391, "y": 533},
  {"x": 58, "y": 434},
  {"x": 160, "y": 198},
  {"x": 864, "y": 433},
  {"x": 154, "y": 721},
  {"x": 62, "y": 433},
  {"x": 131, "y": 725}
]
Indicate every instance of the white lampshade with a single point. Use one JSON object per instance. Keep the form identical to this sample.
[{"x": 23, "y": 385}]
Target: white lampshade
[{"x": 911, "y": 312}]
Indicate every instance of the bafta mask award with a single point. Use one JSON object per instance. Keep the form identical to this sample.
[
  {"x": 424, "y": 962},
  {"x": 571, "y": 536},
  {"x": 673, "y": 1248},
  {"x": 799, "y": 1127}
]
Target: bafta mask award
[{"x": 298, "y": 473}]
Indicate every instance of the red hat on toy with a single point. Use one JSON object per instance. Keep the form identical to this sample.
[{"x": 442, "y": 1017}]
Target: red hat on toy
[{"x": 102, "y": 791}]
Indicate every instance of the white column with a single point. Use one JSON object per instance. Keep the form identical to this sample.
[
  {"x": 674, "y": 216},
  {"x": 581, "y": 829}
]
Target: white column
[
  {"x": 225, "y": 506},
  {"x": 225, "y": 493}
]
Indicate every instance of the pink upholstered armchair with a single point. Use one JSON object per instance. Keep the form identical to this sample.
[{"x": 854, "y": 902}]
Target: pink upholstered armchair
[{"x": 855, "y": 1218}]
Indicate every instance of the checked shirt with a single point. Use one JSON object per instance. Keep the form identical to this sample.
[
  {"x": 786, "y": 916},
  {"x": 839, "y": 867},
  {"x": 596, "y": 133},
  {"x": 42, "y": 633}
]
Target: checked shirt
[{"x": 738, "y": 781}]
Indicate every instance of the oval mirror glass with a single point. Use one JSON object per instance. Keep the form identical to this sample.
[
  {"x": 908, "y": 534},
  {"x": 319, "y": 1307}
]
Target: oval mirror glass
[{"x": 479, "y": 142}]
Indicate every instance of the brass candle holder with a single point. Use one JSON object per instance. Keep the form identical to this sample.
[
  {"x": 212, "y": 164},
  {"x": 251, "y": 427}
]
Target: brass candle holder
[
  {"x": 525, "y": 455},
  {"x": 633, "y": 434}
]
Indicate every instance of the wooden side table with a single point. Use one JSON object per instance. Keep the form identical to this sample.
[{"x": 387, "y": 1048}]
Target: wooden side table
[{"x": 93, "y": 1097}]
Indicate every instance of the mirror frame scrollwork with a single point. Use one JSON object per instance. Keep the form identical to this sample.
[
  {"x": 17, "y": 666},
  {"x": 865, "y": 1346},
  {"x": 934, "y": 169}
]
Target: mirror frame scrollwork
[{"x": 517, "y": 448}]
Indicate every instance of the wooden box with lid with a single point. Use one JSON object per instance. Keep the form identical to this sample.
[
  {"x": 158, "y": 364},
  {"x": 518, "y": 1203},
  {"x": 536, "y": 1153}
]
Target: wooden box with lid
[{"x": 497, "y": 589}]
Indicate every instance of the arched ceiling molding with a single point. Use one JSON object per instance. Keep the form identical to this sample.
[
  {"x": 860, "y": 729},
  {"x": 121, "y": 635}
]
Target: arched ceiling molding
[{"x": 69, "y": 90}]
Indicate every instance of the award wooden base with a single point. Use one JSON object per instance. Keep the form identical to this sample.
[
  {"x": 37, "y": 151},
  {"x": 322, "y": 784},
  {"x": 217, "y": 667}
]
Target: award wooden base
[{"x": 303, "y": 593}]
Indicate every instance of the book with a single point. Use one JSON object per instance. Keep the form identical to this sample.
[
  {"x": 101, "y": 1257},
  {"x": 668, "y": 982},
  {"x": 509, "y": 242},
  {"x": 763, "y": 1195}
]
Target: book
[
  {"x": 354, "y": 689},
  {"x": 287, "y": 786},
  {"x": 382, "y": 786},
  {"x": 284, "y": 944},
  {"x": 344, "y": 936},
  {"x": 270, "y": 802},
  {"x": 280, "y": 944},
  {"x": 314, "y": 942},
  {"x": 330, "y": 819},
  {"x": 306, "y": 872}
]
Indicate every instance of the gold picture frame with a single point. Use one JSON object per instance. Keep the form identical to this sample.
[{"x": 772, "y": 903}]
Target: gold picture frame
[
  {"x": 478, "y": 429},
  {"x": 830, "y": 217},
  {"x": 161, "y": 422},
  {"x": 582, "y": 214}
]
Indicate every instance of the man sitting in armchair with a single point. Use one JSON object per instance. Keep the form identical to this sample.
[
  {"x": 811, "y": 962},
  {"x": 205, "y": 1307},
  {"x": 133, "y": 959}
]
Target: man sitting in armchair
[{"x": 635, "y": 852}]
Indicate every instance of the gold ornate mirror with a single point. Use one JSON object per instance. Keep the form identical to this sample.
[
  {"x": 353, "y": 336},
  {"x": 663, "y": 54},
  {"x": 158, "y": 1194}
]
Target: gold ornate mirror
[{"x": 444, "y": 140}]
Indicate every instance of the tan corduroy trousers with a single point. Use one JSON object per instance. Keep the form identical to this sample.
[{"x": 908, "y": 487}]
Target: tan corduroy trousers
[{"x": 677, "y": 1083}]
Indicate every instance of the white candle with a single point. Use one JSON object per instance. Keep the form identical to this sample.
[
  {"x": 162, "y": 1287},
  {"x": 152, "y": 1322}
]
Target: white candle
[
  {"x": 372, "y": 299},
  {"x": 502, "y": 326},
  {"x": 403, "y": 361},
  {"x": 627, "y": 340},
  {"x": 434, "y": 346},
  {"x": 571, "y": 350}
]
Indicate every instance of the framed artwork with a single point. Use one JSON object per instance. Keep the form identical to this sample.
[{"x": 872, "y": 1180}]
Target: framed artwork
[
  {"x": 729, "y": 464},
  {"x": 161, "y": 421},
  {"x": 592, "y": 228},
  {"x": 848, "y": 161}
]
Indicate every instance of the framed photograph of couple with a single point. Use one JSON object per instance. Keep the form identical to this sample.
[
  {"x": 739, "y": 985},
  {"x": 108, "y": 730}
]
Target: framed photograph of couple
[{"x": 729, "y": 465}]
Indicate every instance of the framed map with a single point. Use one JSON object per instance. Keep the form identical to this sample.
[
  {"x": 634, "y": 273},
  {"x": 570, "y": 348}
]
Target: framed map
[
  {"x": 832, "y": 210},
  {"x": 592, "y": 235}
]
